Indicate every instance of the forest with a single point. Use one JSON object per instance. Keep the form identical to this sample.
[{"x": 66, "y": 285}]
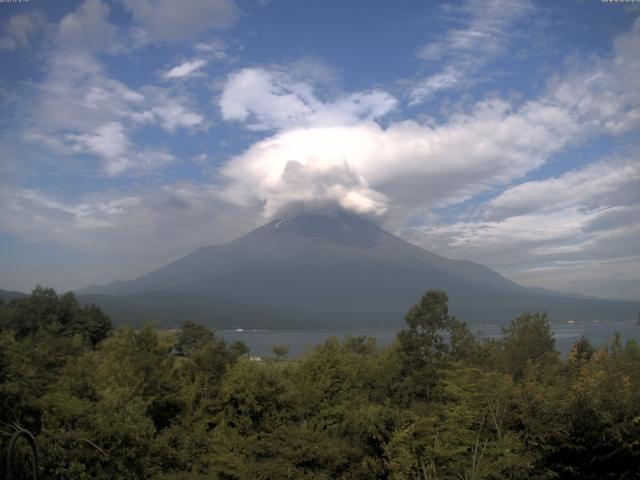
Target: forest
[{"x": 438, "y": 403}]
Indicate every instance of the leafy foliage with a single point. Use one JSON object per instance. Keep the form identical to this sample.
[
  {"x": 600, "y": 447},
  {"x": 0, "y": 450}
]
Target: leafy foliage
[
  {"x": 44, "y": 312},
  {"x": 437, "y": 403}
]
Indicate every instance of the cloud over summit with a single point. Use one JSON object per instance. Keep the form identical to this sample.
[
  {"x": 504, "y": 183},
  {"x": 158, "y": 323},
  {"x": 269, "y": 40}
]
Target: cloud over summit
[
  {"x": 407, "y": 163},
  {"x": 410, "y": 165}
]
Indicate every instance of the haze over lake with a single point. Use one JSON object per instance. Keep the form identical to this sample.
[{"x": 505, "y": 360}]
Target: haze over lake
[{"x": 301, "y": 341}]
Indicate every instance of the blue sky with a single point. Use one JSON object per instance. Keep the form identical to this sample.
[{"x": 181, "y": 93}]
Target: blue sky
[{"x": 503, "y": 132}]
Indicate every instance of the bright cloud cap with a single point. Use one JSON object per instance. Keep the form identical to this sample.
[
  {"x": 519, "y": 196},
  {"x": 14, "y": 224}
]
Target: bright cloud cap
[{"x": 299, "y": 181}]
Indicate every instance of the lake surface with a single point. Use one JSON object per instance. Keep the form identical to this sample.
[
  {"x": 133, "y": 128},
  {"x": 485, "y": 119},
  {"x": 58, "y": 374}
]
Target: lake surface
[{"x": 300, "y": 341}]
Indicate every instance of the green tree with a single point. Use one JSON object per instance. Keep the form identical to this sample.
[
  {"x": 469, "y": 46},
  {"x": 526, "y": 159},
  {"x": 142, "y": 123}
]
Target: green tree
[
  {"x": 202, "y": 372},
  {"x": 90, "y": 323},
  {"x": 528, "y": 339},
  {"x": 362, "y": 345},
  {"x": 582, "y": 350},
  {"x": 465, "y": 434},
  {"x": 46, "y": 313},
  {"x": 255, "y": 397},
  {"x": 191, "y": 336},
  {"x": 280, "y": 351},
  {"x": 428, "y": 343},
  {"x": 102, "y": 414}
]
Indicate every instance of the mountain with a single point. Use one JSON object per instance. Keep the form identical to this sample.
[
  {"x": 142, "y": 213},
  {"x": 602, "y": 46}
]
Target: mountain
[
  {"x": 8, "y": 295},
  {"x": 330, "y": 270}
]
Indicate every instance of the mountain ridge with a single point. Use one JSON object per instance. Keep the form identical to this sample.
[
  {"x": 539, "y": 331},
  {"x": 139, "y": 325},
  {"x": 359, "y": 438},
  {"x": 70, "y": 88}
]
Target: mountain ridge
[
  {"x": 459, "y": 267},
  {"x": 341, "y": 265}
]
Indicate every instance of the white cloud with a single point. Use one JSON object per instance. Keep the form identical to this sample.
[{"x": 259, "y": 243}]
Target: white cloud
[
  {"x": 87, "y": 29},
  {"x": 415, "y": 166},
  {"x": 79, "y": 108},
  {"x": 448, "y": 78},
  {"x": 604, "y": 93},
  {"x": 128, "y": 233},
  {"x": 617, "y": 278},
  {"x": 171, "y": 21},
  {"x": 270, "y": 99},
  {"x": 253, "y": 91},
  {"x": 110, "y": 142},
  {"x": 173, "y": 115},
  {"x": 594, "y": 186},
  {"x": 185, "y": 69},
  {"x": 485, "y": 34},
  {"x": 485, "y": 29},
  {"x": 215, "y": 48},
  {"x": 473, "y": 237},
  {"x": 170, "y": 110},
  {"x": 315, "y": 184},
  {"x": 77, "y": 94},
  {"x": 585, "y": 217},
  {"x": 20, "y": 29}
]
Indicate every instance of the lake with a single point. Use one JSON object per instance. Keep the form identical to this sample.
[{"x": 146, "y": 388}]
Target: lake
[{"x": 300, "y": 341}]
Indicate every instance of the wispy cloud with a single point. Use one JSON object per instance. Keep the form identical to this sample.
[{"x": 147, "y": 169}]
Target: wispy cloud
[
  {"x": 147, "y": 227},
  {"x": 171, "y": 21},
  {"x": 88, "y": 30},
  {"x": 485, "y": 34},
  {"x": 587, "y": 216},
  {"x": 604, "y": 92},
  {"x": 171, "y": 110},
  {"x": 20, "y": 29},
  {"x": 80, "y": 109},
  {"x": 110, "y": 142},
  {"x": 215, "y": 48},
  {"x": 275, "y": 99},
  {"x": 185, "y": 69},
  {"x": 610, "y": 183}
]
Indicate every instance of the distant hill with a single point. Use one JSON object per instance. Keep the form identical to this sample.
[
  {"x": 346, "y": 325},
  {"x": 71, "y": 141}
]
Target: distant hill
[
  {"x": 322, "y": 270},
  {"x": 169, "y": 308},
  {"x": 8, "y": 295}
]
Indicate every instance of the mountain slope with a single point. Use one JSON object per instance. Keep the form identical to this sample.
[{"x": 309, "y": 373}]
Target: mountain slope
[
  {"x": 8, "y": 295},
  {"x": 323, "y": 269}
]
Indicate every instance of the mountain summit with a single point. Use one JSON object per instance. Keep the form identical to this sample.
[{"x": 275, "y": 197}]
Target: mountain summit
[{"x": 328, "y": 269}]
